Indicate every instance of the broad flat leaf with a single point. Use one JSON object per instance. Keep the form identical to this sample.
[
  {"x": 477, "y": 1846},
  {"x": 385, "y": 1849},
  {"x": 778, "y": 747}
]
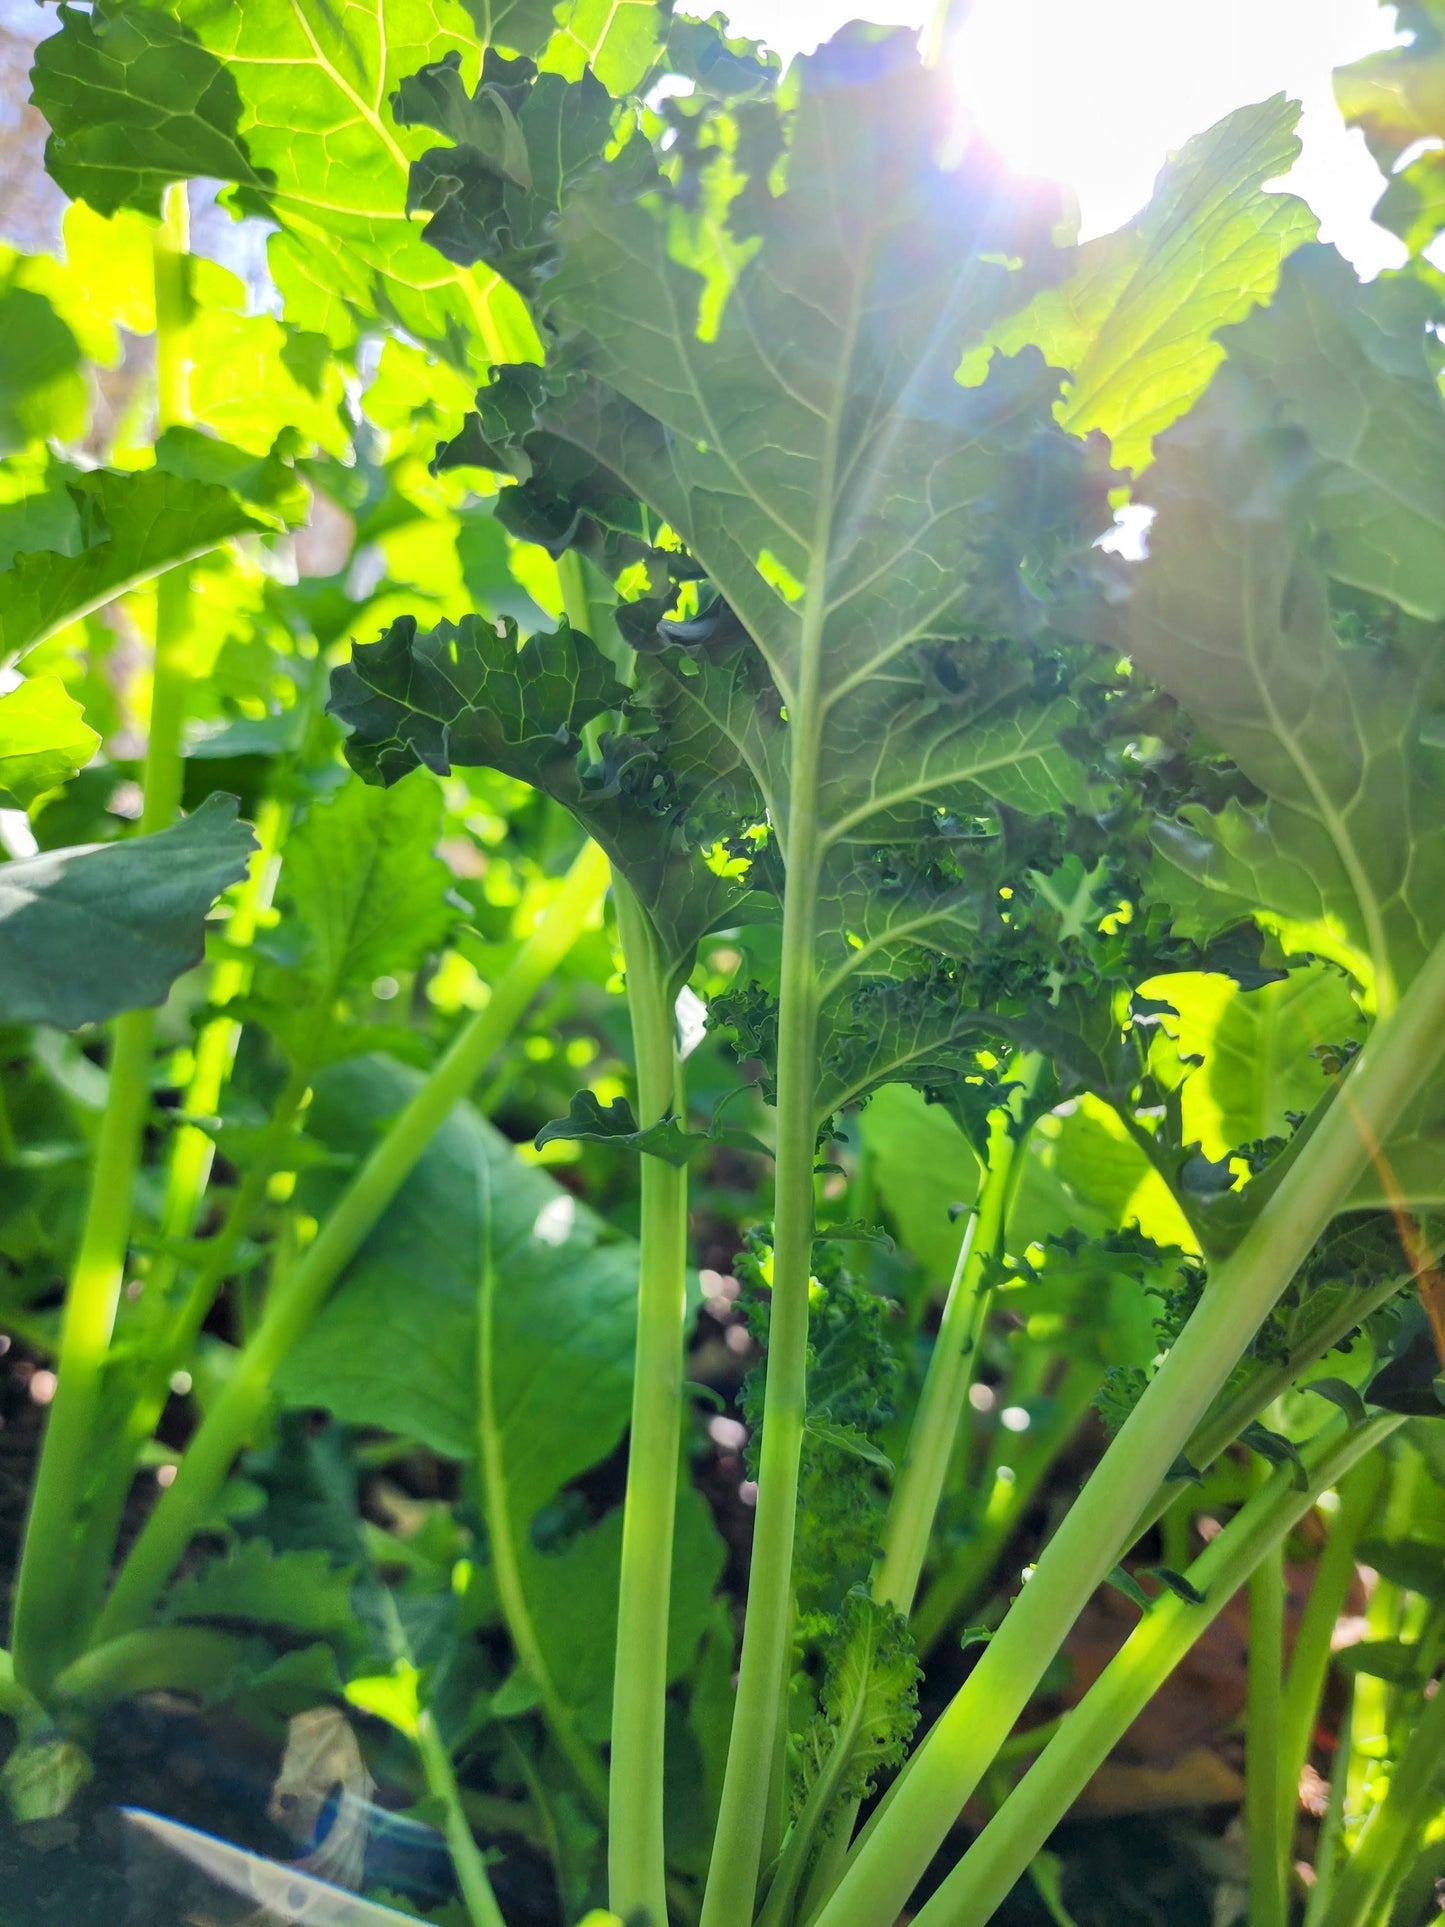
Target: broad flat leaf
[
  {"x": 1135, "y": 321},
  {"x": 572, "y": 1596},
  {"x": 1258, "y": 1048},
  {"x": 44, "y": 740},
  {"x": 1330, "y": 700},
  {"x": 170, "y": 110},
  {"x": 139, "y": 525},
  {"x": 397, "y": 1344},
  {"x": 42, "y": 392},
  {"x": 617, "y": 39},
  {"x": 39, "y": 511},
  {"x": 1346, "y": 366},
  {"x": 90, "y": 931},
  {"x": 365, "y": 885},
  {"x": 289, "y": 103}
]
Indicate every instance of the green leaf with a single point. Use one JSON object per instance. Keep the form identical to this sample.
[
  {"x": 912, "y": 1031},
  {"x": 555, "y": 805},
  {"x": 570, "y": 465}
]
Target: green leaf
[
  {"x": 138, "y": 525},
  {"x": 1415, "y": 1564},
  {"x": 44, "y": 740},
  {"x": 252, "y": 1582},
  {"x": 1393, "y": 1660},
  {"x": 589, "y": 1122},
  {"x": 572, "y": 1596},
  {"x": 1258, "y": 1049},
  {"x": 869, "y": 1702},
  {"x": 465, "y": 694},
  {"x": 1339, "y": 1392},
  {"x": 1397, "y": 99},
  {"x": 289, "y": 104},
  {"x": 88, "y": 932},
  {"x": 365, "y": 886},
  {"x": 1135, "y": 321},
  {"x": 617, "y": 39},
  {"x": 1176, "y": 1583},
  {"x": 171, "y": 109},
  {"x": 1124, "y": 1582},
  {"x": 42, "y": 391},
  {"x": 1323, "y": 696},
  {"x": 396, "y": 1345}
]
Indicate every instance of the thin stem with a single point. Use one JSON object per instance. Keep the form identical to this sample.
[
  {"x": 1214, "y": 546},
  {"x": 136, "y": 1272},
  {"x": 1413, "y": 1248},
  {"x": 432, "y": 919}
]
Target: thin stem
[
  {"x": 1334, "y": 1571},
  {"x": 47, "y": 1630},
  {"x": 914, "y": 1504},
  {"x": 1264, "y": 1809},
  {"x": 1392, "y": 1834},
  {"x": 232, "y": 1420},
  {"x": 1398, "y": 1059},
  {"x": 468, "y": 1859},
  {"x": 635, "y": 1852},
  {"x": 1001, "y": 1855}
]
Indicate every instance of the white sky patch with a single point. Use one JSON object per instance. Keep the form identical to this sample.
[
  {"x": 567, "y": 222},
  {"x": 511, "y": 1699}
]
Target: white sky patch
[{"x": 1095, "y": 93}]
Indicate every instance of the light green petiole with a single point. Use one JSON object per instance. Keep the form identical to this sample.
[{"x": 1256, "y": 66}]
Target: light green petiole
[{"x": 1001, "y": 1855}]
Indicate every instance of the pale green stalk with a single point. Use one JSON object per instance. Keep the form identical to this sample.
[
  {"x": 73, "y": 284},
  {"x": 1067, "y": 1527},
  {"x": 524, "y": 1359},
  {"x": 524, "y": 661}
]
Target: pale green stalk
[
  {"x": 1003, "y": 1852},
  {"x": 1392, "y": 1835},
  {"x": 294, "y": 1303},
  {"x": 47, "y": 1631},
  {"x": 635, "y": 1852},
  {"x": 1397, "y": 1061}
]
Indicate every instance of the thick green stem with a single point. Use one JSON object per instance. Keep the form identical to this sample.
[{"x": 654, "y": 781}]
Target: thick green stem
[
  {"x": 914, "y": 1505},
  {"x": 232, "y": 1420},
  {"x": 1392, "y": 1834},
  {"x": 48, "y": 1630},
  {"x": 1395, "y": 1064},
  {"x": 468, "y": 1859},
  {"x": 743, "y": 1812},
  {"x": 1265, "y": 1811},
  {"x": 1001, "y": 1855},
  {"x": 635, "y": 1855}
]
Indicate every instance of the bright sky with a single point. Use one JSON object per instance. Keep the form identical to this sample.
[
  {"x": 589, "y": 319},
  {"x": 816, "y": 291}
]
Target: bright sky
[{"x": 1096, "y": 92}]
